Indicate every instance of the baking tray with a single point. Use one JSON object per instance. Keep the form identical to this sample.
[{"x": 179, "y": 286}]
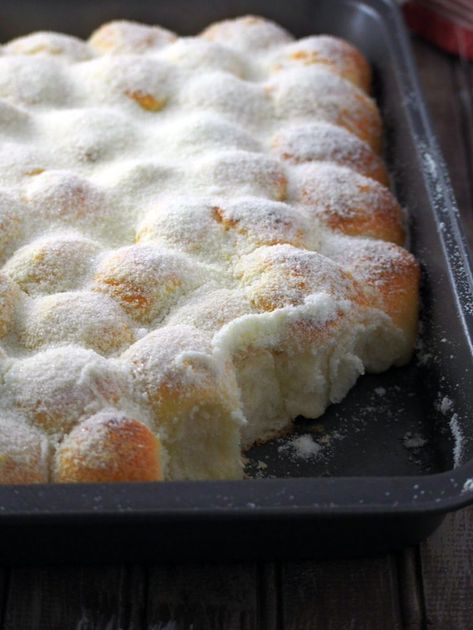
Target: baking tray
[{"x": 397, "y": 453}]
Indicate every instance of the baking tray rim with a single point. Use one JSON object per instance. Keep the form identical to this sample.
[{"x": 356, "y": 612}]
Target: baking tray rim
[{"x": 435, "y": 493}]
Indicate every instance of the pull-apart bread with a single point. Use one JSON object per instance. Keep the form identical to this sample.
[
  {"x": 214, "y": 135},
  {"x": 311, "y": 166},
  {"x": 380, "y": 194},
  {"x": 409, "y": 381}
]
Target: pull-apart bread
[{"x": 197, "y": 245}]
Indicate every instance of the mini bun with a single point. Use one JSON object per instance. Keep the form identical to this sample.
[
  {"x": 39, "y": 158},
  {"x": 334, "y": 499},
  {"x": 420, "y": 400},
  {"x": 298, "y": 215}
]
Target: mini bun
[
  {"x": 331, "y": 53},
  {"x": 348, "y": 202},
  {"x": 125, "y": 36},
  {"x": 24, "y": 453},
  {"x": 247, "y": 33},
  {"x": 108, "y": 447}
]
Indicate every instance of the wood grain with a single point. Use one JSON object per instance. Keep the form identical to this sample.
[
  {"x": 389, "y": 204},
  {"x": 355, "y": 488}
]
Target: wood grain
[
  {"x": 59, "y": 598},
  {"x": 447, "y": 573},
  {"x": 205, "y": 597},
  {"x": 411, "y": 593},
  {"x": 329, "y": 595}
]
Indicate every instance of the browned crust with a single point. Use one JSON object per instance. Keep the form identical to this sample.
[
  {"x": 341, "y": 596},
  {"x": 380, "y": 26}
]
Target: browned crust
[
  {"x": 390, "y": 276},
  {"x": 128, "y": 451},
  {"x": 370, "y": 210}
]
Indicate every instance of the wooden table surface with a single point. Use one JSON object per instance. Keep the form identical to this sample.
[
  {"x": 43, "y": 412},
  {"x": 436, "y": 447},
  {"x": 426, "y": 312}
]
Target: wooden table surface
[{"x": 430, "y": 586}]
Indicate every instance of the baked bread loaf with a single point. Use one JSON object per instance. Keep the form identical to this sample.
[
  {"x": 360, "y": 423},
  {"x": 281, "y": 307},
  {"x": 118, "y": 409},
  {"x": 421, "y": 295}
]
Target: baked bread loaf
[{"x": 197, "y": 245}]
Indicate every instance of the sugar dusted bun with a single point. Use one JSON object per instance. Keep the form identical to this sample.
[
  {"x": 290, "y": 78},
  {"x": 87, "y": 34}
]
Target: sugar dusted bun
[
  {"x": 57, "y": 262},
  {"x": 249, "y": 33},
  {"x": 92, "y": 135},
  {"x": 108, "y": 447},
  {"x": 124, "y": 37},
  {"x": 199, "y": 54},
  {"x": 139, "y": 84},
  {"x": 10, "y": 224},
  {"x": 207, "y": 131},
  {"x": 210, "y": 311},
  {"x": 145, "y": 280},
  {"x": 348, "y": 202},
  {"x": 85, "y": 318},
  {"x": 194, "y": 399},
  {"x": 314, "y": 93},
  {"x": 256, "y": 222},
  {"x": 9, "y": 296},
  {"x": 23, "y": 453},
  {"x": 282, "y": 275},
  {"x": 197, "y": 245},
  {"x": 390, "y": 276},
  {"x": 56, "y": 388},
  {"x": 187, "y": 223},
  {"x": 323, "y": 142},
  {"x": 196, "y": 225},
  {"x": 46, "y": 43},
  {"x": 61, "y": 197},
  {"x": 32, "y": 81},
  {"x": 244, "y": 173},
  {"x": 242, "y": 102},
  {"x": 332, "y": 53}
]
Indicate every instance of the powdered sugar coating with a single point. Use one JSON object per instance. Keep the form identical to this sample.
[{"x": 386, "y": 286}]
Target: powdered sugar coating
[
  {"x": 9, "y": 296},
  {"x": 109, "y": 446},
  {"x": 259, "y": 221},
  {"x": 242, "y": 173},
  {"x": 194, "y": 396},
  {"x": 160, "y": 357},
  {"x": 147, "y": 281},
  {"x": 195, "y": 53},
  {"x": 335, "y": 54},
  {"x": 36, "y": 82},
  {"x": 10, "y": 224},
  {"x": 85, "y": 318},
  {"x": 89, "y": 135},
  {"x": 135, "y": 82},
  {"x": 348, "y": 202},
  {"x": 19, "y": 162},
  {"x": 243, "y": 102},
  {"x": 211, "y": 311},
  {"x": 13, "y": 119},
  {"x": 316, "y": 93},
  {"x": 23, "y": 452},
  {"x": 48, "y": 43},
  {"x": 283, "y": 275},
  {"x": 187, "y": 223},
  {"x": 324, "y": 142},
  {"x": 188, "y": 137},
  {"x": 248, "y": 34},
  {"x": 169, "y": 274},
  {"x": 57, "y": 262},
  {"x": 56, "y": 388},
  {"x": 123, "y": 36},
  {"x": 61, "y": 197}
]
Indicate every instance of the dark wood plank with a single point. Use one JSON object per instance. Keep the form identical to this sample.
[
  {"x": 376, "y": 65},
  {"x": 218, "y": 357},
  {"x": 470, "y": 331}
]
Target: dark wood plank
[
  {"x": 4, "y": 587},
  {"x": 86, "y": 598},
  {"x": 207, "y": 597},
  {"x": 411, "y": 594},
  {"x": 269, "y": 596},
  {"x": 447, "y": 570},
  {"x": 332, "y": 595}
]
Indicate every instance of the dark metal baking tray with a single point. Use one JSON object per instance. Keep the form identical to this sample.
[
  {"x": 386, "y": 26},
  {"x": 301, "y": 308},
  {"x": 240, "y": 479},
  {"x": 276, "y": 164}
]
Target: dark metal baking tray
[{"x": 395, "y": 459}]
